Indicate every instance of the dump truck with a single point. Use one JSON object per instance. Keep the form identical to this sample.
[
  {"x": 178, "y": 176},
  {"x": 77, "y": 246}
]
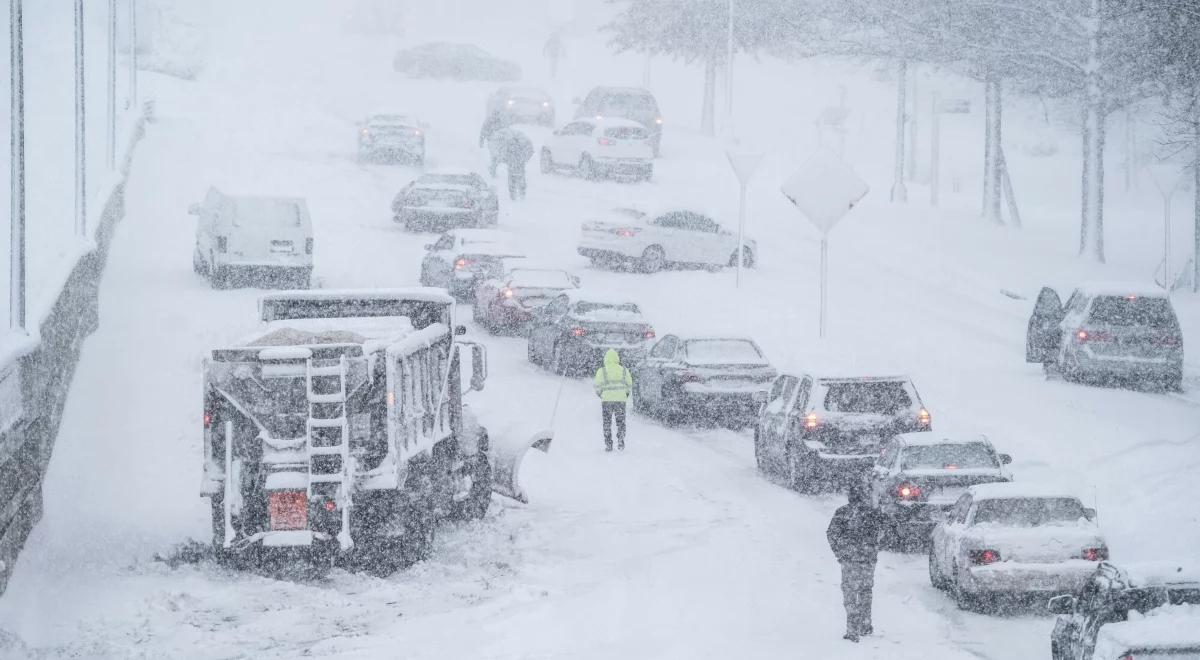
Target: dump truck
[{"x": 337, "y": 432}]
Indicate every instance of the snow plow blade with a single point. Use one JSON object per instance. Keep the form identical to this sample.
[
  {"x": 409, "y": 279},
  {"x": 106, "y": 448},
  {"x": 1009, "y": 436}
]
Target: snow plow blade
[{"x": 506, "y": 464}]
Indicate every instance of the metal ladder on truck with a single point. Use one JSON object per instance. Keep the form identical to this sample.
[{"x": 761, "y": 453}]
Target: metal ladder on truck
[{"x": 328, "y": 435}]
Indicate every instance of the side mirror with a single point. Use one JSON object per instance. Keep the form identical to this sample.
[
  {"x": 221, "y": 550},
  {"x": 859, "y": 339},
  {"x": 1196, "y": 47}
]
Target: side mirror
[
  {"x": 1064, "y": 604},
  {"x": 1089, "y": 513},
  {"x": 194, "y": 209},
  {"x": 1005, "y": 459},
  {"x": 460, "y": 330},
  {"x": 478, "y": 367}
]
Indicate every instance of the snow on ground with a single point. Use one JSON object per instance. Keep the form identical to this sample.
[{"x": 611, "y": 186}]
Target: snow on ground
[{"x": 675, "y": 549}]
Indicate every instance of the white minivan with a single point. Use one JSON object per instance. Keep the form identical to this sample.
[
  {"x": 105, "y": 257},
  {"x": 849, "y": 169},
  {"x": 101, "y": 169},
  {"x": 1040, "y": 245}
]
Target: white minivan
[{"x": 248, "y": 240}]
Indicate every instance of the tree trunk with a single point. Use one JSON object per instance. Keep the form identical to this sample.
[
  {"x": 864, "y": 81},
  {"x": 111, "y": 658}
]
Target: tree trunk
[
  {"x": 1091, "y": 231},
  {"x": 1196, "y": 202},
  {"x": 992, "y": 153},
  {"x": 708, "y": 103},
  {"x": 899, "y": 192}
]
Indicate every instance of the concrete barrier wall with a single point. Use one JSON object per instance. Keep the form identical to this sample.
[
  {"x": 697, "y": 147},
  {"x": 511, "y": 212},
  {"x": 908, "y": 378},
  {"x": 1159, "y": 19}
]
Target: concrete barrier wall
[{"x": 34, "y": 386}]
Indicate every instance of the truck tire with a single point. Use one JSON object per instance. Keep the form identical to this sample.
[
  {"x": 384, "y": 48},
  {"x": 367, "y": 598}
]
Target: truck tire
[
  {"x": 219, "y": 277},
  {"x": 220, "y": 554},
  {"x": 475, "y": 506}
]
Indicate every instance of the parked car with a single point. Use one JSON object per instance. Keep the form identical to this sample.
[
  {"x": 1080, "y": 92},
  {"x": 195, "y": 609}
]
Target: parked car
[
  {"x": 392, "y": 137},
  {"x": 653, "y": 241},
  {"x": 1014, "y": 539},
  {"x": 1170, "y": 634},
  {"x": 1118, "y": 593},
  {"x": 596, "y": 148},
  {"x": 919, "y": 476},
  {"x": 246, "y": 240},
  {"x": 631, "y": 103},
  {"x": 441, "y": 60},
  {"x": 447, "y": 198},
  {"x": 509, "y": 302},
  {"x": 521, "y": 104},
  {"x": 818, "y": 432},
  {"x": 571, "y": 333},
  {"x": 437, "y": 267},
  {"x": 722, "y": 379},
  {"x": 1107, "y": 332}
]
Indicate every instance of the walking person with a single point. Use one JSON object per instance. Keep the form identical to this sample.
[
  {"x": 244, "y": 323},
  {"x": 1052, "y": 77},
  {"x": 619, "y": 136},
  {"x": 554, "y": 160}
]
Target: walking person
[
  {"x": 853, "y": 536},
  {"x": 514, "y": 149},
  {"x": 613, "y": 384}
]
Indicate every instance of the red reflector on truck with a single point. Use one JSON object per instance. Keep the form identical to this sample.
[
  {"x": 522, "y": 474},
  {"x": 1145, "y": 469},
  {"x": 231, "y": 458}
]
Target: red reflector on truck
[{"x": 288, "y": 509}]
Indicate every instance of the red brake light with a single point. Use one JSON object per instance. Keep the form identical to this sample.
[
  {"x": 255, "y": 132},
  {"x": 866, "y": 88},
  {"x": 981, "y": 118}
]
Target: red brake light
[
  {"x": 330, "y": 505},
  {"x": 984, "y": 557},
  {"x": 650, "y": 333},
  {"x": 1083, "y": 336},
  {"x": 461, "y": 264},
  {"x": 508, "y": 293},
  {"x": 578, "y": 332},
  {"x": 1095, "y": 554},
  {"x": 207, "y": 420},
  {"x": 908, "y": 491},
  {"x": 288, "y": 509},
  {"x": 605, "y": 142},
  {"x": 811, "y": 421},
  {"x": 924, "y": 418},
  {"x": 625, "y": 233}
]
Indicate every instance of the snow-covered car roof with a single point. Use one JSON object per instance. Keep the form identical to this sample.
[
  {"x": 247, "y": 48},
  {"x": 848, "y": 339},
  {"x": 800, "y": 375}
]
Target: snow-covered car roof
[
  {"x": 1139, "y": 289},
  {"x": 829, "y": 380},
  {"x": 523, "y": 90},
  {"x": 605, "y": 89},
  {"x": 449, "y": 171},
  {"x": 392, "y": 119},
  {"x": 490, "y": 250},
  {"x": 1172, "y": 627},
  {"x": 614, "y": 122},
  {"x": 927, "y": 439},
  {"x": 421, "y": 293},
  {"x": 522, "y": 276},
  {"x": 1161, "y": 573},
  {"x": 433, "y": 185},
  {"x": 598, "y": 297},
  {"x": 1011, "y": 490}
]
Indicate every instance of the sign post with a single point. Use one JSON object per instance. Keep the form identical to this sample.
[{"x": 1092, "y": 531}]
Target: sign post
[
  {"x": 825, "y": 188},
  {"x": 1168, "y": 179},
  {"x": 743, "y": 165}
]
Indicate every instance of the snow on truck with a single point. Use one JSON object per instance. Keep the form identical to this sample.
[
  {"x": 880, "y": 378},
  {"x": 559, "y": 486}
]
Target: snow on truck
[{"x": 338, "y": 431}]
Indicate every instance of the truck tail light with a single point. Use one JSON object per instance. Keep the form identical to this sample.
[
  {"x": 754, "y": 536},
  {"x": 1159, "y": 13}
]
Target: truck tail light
[
  {"x": 983, "y": 557},
  {"x": 222, "y": 244},
  {"x": 288, "y": 509}
]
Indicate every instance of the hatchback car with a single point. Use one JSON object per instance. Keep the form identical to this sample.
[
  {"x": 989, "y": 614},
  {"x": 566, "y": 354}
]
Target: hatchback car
[
  {"x": 510, "y": 301},
  {"x": 520, "y": 104},
  {"x": 571, "y": 333},
  {"x": 600, "y": 147},
  {"x": 1117, "y": 593},
  {"x": 720, "y": 379},
  {"x": 1107, "y": 332},
  {"x": 444, "y": 199},
  {"x": 919, "y": 476},
  {"x": 821, "y": 432},
  {"x": 633, "y": 103},
  {"x": 1014, "y": 539}
]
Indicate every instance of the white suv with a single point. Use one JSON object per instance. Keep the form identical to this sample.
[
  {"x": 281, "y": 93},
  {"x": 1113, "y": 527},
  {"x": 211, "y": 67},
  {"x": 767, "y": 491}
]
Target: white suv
[
  {"x": 253, "y": 240},
  {"x": 651, "y": 242},
  {"x": 596, "y": 147}
]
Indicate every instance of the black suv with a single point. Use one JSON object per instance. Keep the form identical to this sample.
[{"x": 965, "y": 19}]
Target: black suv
[
  {"x": 1110, "y": 594},
  {"x": 818, "y": 432},
  {"x": 633, "y": 103}
]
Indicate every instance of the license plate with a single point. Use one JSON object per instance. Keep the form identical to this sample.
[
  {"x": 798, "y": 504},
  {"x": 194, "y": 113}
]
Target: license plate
[{"x": 281, "y": 246}]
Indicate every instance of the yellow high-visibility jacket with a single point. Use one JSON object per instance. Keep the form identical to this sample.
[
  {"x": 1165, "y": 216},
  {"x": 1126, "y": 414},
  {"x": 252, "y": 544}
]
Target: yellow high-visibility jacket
[{"x": 613, "y": 382}]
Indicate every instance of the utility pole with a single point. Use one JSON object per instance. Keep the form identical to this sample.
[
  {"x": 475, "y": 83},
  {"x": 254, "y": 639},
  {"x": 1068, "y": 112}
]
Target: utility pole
[
  {"x": 112, "y": 84},
  {"x": 80, "y": 127},
  {"x": 131, "y": 99},
  {"x": 16, "y": 300},
  {"x": 935, "y": 148},
  {"x": 729, "y": 75},
  {"x": 899, "y": 191}
]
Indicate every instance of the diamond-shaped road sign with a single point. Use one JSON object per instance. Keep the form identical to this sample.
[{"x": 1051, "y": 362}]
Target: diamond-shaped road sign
[{"x": 825, "y": 188}]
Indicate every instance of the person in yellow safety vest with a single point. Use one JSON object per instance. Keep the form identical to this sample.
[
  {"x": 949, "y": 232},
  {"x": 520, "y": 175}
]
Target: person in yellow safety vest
[{"x": 613, "y": 384}]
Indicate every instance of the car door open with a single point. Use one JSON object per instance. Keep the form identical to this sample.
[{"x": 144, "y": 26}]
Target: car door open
[{"x": 1043, "y": 334}]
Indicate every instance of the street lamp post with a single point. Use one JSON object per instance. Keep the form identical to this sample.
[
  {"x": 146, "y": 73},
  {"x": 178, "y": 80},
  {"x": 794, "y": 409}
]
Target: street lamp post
[
  {"x": 112, "y": 84},
  {"x": 80, "y": 127},
  {"x": 17, "y": 174},
  {"x": 133, "y": 87}
]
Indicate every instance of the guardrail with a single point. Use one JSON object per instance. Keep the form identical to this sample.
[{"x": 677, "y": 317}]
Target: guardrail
[{"x": 34, "y": 385}]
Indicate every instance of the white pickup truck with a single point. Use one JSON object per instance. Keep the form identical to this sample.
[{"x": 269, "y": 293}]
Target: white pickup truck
[{"x": 652, "y": 241}]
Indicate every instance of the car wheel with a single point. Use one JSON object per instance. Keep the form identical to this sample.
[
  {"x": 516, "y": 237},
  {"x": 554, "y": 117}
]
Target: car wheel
[
  {"x": 962, "y": 598},
  {"x": 587, "y": 168},
  {"x": 760, "y": 458},
  {"x": 639, "y": 402},
  {"x": 1069, "y": 367},
  {"x": 530, "y": 353},
  {"x": 547, "y": 162},
  {"x": 747, "y": 258},
  {"x": 1173, "y": 382},
  {"x": 558, "y": 360},
  {"x": 653, "y": 259},
  {"x": 800, "y": 473},
  {"x": 935, "y": 574},
  {"x": 219, "y": 277},
  {"x": 197, "y": 263}
]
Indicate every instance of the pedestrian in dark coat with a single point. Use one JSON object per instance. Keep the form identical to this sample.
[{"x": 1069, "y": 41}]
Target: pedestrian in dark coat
[
  {"x": 514, "y": 149},
  {"x": 854, "y": 538},
  {"x": 493, "y": 123}
]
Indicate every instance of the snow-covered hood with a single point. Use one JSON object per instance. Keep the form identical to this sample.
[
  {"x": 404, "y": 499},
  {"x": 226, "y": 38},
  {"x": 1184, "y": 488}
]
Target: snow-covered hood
[
  {"x": 352, "y": 330},
  {"x": 1038, "y": 543},
  {"x": 1172, "y": 627}
]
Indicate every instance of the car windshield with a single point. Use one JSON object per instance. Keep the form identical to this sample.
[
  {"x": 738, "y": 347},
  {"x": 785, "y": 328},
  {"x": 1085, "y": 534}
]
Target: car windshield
[
  {"x": 879, "y": 397},
  {"x": 626, "y": 133},
  {"x": 948, "y": 457},
  {"x": 266, "y": 213},
  {"x": 1132, "y": 311},
  {"x": 1029, "y": 511},
  {"x": 722, "y": 351},
  {"x": 540, "y": 279},
  {"x": 628, "y": 104}
]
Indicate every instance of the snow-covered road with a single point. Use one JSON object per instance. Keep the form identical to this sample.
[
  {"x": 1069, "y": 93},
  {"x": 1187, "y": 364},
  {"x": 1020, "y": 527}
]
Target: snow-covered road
[{"x": 676, "y": 548}]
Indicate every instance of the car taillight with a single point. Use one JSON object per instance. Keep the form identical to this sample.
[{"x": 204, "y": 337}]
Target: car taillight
[
  {"x": 983, "y": 557},
  {"x": 1085, "y": 336},
  {"x": 222, "y": 243},
  {"x": 605, "y": 142},
  {"x": 649, "y": 334},
  {"x": 578, "y": 332},
  {"x": 507, "y": 293},
  {"x": 625, "y": 232},
  {"x": 1166, "y": 340},
  {"x": 811, "y": 421},
  {"x": 461, "y": 263},
  {"x": 288, "y": 509},
  {"x": 908, "y": 491},
  {"x": 924, "y": 418},
  {"x": 208, "y": 419},
  {"x": 308, "y": 246},
  {"x": 1095, "y": 554}
]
